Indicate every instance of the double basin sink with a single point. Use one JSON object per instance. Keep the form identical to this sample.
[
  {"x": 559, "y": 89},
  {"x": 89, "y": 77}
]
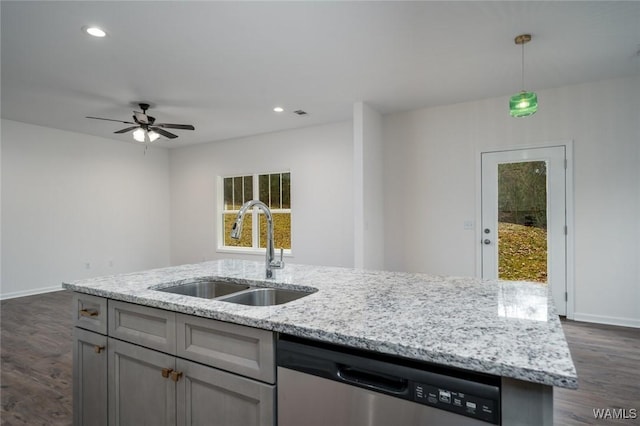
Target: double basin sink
[{"x": 231, "y": 292}]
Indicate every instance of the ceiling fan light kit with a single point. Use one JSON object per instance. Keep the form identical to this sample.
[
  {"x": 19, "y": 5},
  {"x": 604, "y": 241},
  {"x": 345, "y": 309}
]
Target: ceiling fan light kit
[
  {"x": 524, "y": 103},
  {"x": 145, "y": 128},
  {"x": 141, "y": 135}
]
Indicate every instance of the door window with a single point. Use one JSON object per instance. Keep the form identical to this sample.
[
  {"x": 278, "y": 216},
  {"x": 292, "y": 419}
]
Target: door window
[{"x": 524, "y": 218}]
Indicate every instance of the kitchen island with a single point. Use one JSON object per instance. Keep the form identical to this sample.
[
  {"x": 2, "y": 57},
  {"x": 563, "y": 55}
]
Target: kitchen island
[{"x": 504, "y": 329}]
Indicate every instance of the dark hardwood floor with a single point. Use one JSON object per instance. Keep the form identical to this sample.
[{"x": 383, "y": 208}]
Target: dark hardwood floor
[
  {"x": 36, "y": 383},
  {"x": 35, "y": 378},
  {"x": 607, "y": 359}
]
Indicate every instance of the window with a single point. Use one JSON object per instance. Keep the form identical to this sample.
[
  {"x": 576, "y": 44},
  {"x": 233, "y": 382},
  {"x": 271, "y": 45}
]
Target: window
[{"x": 273, "y": 189}]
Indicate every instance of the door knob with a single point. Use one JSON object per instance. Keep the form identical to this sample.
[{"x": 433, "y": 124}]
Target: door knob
[{"x": 487, "y": 241}]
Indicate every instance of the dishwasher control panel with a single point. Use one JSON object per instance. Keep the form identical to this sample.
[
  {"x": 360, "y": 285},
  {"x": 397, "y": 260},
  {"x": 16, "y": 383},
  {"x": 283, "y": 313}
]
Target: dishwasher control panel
[{"x": 457, "y": 402}]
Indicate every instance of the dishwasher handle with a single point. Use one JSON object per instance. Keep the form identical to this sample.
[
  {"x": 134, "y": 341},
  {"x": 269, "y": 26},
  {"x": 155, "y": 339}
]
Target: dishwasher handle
[{"x": 372, "y": 380}]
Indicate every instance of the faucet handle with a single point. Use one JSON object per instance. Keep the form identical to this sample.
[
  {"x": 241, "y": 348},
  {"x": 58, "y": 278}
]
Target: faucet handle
[{"x": 278, "y": 264}]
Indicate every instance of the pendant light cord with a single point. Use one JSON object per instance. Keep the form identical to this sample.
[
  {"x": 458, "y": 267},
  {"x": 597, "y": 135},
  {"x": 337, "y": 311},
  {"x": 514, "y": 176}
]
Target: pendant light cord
[{"x": 523, "y": 67}]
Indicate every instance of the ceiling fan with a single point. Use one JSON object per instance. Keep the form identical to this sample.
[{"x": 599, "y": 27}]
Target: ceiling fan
[{"x": 145, "y": 127}]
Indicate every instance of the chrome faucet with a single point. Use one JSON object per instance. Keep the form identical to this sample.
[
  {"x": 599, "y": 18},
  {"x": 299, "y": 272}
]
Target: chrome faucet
[{"x": 236, "y": 231}]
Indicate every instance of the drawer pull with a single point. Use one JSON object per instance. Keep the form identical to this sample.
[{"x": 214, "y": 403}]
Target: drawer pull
[
  {"x": 176, "y": 375},
  {"x": 89, "y": 312},
  {"x": 98, "y": 348},
  {"x": 166, "y": 372}
]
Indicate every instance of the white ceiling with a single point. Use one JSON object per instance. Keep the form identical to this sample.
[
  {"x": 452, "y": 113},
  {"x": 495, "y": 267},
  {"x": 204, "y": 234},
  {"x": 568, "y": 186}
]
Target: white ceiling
[{"x": 223, "y": 66}]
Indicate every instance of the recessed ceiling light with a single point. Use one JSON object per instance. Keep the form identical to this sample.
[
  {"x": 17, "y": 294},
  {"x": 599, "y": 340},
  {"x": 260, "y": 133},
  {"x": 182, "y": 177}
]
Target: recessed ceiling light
[
  {"x": 94, "y": 31},
  {"x": 278, "y": 109}
]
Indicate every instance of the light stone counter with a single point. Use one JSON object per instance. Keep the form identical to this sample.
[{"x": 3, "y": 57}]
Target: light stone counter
[{"x": 508, "y": 329}]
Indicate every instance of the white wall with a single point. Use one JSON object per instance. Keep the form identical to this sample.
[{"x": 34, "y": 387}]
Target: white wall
[
  {"x": 368, "y": 187},
  {"x": 70, "y": 199},
  {"x": 320, "y": 160},
  {"x": 1, "y": 122},
  {"x": 430, "y": 188}
]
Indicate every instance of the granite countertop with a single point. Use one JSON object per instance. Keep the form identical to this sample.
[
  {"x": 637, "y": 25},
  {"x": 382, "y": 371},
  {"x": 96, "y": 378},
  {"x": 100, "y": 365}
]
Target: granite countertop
[{"x": 504, "y": 328}]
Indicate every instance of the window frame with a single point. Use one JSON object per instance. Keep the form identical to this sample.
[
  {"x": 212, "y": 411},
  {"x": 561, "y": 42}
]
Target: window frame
[{"x": 220, "y": 212}]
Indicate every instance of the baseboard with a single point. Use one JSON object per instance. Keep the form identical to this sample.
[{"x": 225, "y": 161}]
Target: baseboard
[
  {"x": 31, "y": 292},
  {"x": 602, "y": 319}
]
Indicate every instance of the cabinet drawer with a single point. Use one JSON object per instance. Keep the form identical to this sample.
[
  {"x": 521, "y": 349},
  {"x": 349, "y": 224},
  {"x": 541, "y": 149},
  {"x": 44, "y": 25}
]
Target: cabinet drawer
[
  {"x": 244, "y": 350},
  {"x": 90, "y": 312},
  {"x": 142, "y": 325}
]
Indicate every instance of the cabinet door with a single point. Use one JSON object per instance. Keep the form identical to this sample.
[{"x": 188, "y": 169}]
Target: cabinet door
[
  {"x": 89, "y": 378},
  {"x": 211, "y": 397},
  {"x": 139, "y": 392}
]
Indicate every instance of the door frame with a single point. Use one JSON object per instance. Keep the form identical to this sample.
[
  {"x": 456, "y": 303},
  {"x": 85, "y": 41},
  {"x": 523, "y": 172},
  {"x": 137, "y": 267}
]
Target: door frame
[{"x": 569, "y": 206}]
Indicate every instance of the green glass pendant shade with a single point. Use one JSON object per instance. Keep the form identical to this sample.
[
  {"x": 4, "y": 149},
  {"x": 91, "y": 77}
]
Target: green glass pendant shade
[{"x": 523, "y": 104}]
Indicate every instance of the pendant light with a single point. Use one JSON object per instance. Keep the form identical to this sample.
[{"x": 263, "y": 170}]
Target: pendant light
[{"x": 524, "y": 103}]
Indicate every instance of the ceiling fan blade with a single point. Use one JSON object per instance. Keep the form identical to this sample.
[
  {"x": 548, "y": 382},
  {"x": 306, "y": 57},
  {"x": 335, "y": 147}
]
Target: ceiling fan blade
[
  {"x": 176, "y": 126},
  {"x": 128, "y": 129},
  {"x": 111, "y": 119},
  {"x": 163, "y": 132},
  {"x": 141, "y": 117}
]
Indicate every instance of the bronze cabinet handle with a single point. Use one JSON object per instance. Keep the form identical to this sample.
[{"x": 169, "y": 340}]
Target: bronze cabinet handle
[
  {"x": 89, "y": 312},
  {"x": 166, "y": 372},
  {"x": 176, "y": 375},
  {"x": 98, "y": 348}
]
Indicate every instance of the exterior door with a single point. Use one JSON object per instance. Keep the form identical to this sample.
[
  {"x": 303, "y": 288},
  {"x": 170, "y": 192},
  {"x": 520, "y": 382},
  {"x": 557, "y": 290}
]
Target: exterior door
[{"x": 524, "y": 226}]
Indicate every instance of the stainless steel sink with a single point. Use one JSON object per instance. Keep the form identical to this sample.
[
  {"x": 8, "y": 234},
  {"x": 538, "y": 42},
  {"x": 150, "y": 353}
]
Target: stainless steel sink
[
  {"x": 265, "y": 296},
  {"x": 207, "y": 289}
]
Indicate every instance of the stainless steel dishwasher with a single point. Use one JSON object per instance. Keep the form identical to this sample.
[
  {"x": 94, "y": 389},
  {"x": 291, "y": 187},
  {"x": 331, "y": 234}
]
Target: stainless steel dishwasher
[{"x": 328, "y": 385}]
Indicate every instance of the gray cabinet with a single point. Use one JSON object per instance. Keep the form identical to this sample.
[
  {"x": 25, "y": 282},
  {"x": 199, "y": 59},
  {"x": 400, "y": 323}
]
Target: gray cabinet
[
  {"x": 149, "y": 327},
  {"x": 211, "y": 397},
  {"x": 150, "y": 387},
  {"x": 89, "y": 378},
  {"x": 242, "y": 350},
  {"x": 141, "y": 389},
  {"x": 142, "y": 370},
  {"x": 90, "y": 312}
]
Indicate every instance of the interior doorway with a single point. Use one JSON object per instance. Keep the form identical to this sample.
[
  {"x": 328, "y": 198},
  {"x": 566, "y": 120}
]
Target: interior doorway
[{"x": 524, "y": 217}]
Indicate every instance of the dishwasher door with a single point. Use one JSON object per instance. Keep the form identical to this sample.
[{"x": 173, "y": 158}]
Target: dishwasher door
[
  {"x": 309, "y": 400},
  {"x": 321, "y": 384}
]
